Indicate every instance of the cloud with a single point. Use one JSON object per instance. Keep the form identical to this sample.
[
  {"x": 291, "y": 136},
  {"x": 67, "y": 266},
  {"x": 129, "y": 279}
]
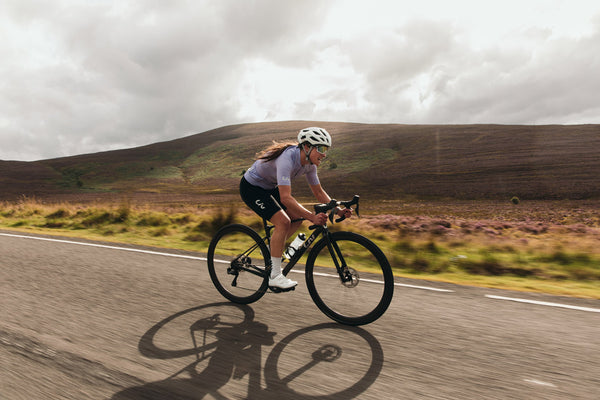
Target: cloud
[
  {"x": 551, "y": 82},
  {"x": 430, "y": 71},
  {"x": 102, "y": 75},
  {"x": 88, "y": 76}
]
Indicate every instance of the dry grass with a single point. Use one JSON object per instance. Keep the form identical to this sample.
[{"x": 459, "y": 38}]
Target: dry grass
[
  {"x": 542, "y": 246},
  {"x": 530, "y": 246}
]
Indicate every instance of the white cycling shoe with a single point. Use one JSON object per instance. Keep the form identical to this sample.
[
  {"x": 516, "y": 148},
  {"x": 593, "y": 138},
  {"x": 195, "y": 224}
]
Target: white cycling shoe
[{"x": 281, "y": 282}]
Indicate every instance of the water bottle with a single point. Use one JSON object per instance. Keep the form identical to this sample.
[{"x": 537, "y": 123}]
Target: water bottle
[{"x": 295, "y": 245}]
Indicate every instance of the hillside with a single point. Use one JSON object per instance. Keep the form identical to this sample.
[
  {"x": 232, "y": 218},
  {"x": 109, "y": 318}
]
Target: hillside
[{"x": 459, "y": 161}]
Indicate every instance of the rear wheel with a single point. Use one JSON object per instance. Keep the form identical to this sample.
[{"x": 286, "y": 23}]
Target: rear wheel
[
  {"x": 362, "y": 291},
  {"x": 237, "y": 262}
]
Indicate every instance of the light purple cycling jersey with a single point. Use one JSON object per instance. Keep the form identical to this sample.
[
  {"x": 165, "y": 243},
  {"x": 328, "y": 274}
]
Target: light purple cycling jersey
[{"x": 281, "y": 171}]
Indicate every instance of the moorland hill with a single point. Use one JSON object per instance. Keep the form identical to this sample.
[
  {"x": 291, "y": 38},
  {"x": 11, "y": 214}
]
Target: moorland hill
[{"x": 382, "y": 160}]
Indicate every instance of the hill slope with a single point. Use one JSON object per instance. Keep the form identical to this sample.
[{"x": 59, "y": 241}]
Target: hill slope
[{"x": 461, "y": 161}]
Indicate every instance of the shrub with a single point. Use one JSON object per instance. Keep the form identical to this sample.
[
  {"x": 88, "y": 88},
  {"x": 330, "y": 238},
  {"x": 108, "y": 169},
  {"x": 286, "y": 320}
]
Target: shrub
[
  {"x": 8, "y": 213},
  {"x": 443, "y": 223},
  {"x": 53, "y": 224},
  {"x": 562, "y": 258},
  {"x": 218, "y": 220},
  {"x": 196, "y": 237},
  {"x": 487, "y": 266},
  {"x": 60, "y": 213},
  {"x": 182, "y": 219},
  {"x": 515, "y": 200},
  {"x": 97, "y": 218},
  {"x": 123, "y": 213},
  {"x": 404, "y": 246},
  {"x": 583, "y": 273},
  {"x": 534, "y": 229},
  {"x": 420, "y": 264},
  {"x": 398, "y": 261},
  {"x": 154, "y": 219},
  {"x": 490, "y": 266},
  {"x": 431, "y": 247},
  {"x": 162, "y": 231}
]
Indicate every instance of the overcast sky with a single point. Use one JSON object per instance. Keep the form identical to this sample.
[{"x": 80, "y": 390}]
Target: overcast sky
[{"x": 92, "y": 75}]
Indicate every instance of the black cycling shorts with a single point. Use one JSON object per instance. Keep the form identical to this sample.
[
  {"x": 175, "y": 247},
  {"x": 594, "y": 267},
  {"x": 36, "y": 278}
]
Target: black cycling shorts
[{"x": 263, "y": 202}]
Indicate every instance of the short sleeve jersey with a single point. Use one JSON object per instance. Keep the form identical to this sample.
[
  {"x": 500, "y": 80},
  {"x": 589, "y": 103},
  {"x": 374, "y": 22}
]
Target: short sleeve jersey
[{"x": 281, "y": 171}]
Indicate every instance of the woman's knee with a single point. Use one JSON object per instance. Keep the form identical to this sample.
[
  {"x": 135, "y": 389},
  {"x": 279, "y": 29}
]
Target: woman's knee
[{"x": 281, "y": 220}]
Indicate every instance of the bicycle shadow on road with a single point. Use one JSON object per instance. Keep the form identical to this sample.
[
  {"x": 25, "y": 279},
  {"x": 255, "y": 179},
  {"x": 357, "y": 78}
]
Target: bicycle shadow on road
[{"x": 226, "y": 345}]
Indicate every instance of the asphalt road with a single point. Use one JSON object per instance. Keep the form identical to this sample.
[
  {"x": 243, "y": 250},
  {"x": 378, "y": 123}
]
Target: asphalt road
[{"x": 101, "y": 322}]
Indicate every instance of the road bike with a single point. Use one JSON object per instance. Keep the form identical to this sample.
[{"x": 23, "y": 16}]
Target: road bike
[{"x": 347, "y": 275}]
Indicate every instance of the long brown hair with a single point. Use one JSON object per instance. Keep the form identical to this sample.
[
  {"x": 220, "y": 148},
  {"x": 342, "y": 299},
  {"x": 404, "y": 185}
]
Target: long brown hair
[{"x": 274, "y": 150}]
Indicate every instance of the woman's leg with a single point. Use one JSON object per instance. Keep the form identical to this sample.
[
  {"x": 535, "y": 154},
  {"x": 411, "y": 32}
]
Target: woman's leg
[
  {"x": 283, "y": 227},
  {"x": 266, "y": 204},
  {"x": 282, "y": 224}
]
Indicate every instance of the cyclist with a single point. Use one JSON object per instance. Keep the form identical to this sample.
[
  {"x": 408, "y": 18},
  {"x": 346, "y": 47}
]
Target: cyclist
[{"x": 266, "y": 189}]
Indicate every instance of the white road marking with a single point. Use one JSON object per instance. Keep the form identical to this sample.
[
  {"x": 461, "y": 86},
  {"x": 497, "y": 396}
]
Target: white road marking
[
  {"x": 381, "y": 282},
  {"x": 424, "y": 287},
  {"x": 158, "y": 253},
  {"x": 544, "y": 303},
  {"x": 541, "y": 383}
]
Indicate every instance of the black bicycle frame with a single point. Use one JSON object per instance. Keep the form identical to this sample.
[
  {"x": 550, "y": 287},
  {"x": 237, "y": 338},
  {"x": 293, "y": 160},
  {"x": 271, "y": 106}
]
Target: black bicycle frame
[
  {"x": 304, "y": 247},
  {"x": 334, "y": 250},
  {"x": 336, "y": 254}
]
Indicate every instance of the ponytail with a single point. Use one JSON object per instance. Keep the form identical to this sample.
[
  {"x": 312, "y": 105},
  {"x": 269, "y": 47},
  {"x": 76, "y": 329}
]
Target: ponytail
[{"x": 274, "y": 150}]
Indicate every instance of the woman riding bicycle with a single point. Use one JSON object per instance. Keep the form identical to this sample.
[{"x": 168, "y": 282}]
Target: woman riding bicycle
[{"x": 266, "y": 189}]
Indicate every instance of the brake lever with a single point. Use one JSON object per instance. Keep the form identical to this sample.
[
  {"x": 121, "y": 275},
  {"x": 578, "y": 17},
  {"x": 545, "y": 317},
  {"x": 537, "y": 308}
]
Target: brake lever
[
  {"x": 355, "y": 201},
  {"x": 331, "y": 215},
  {"x": 348, "y": 204}
]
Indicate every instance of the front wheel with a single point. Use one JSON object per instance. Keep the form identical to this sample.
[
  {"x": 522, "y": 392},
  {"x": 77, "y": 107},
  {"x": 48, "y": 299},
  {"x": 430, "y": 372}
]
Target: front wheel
[
  {"x": 237, "y": 262},
  {"x": 349, "y": 278}
]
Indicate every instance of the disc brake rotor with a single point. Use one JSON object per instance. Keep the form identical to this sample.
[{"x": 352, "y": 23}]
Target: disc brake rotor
[{"x": 351, "y": 278}]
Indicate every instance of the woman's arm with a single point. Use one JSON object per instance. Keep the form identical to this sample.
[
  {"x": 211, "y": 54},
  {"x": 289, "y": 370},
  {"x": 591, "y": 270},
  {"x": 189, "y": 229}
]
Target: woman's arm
[
  {"x": 323, "y": 197},
  {"x": 296, "y": 210},
  {"x": 320, "y": 194}
]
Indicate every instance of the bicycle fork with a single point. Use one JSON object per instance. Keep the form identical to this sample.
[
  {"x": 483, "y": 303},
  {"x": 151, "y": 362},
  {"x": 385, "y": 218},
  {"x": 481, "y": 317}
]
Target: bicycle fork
[{"x": 348, "y": 276}]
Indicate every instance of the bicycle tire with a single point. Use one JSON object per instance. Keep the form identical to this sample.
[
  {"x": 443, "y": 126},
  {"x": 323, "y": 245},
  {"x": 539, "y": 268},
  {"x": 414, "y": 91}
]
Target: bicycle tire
[
  {"x": 233, "y": 280},
  {"x": 360, "y": 301}
]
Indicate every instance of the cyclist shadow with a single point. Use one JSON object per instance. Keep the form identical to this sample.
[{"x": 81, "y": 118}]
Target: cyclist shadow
[{"x": 234, "y": 351}]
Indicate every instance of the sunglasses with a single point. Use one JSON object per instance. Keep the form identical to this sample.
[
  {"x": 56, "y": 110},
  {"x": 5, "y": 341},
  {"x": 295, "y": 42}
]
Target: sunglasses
[{"x": 321, "y": 148}]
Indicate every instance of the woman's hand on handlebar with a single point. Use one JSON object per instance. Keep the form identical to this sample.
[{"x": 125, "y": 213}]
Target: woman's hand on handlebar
[
  {"x": 344, "y": 212},
  {"x": 319, "y": 219}
]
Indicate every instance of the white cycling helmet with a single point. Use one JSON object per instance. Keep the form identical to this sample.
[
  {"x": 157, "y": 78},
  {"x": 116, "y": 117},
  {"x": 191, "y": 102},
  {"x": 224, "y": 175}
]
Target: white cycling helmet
[{"x": 315, "y": 136}]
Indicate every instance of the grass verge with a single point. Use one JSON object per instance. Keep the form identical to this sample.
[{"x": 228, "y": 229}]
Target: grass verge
[{"x": 527, "y": 255}]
